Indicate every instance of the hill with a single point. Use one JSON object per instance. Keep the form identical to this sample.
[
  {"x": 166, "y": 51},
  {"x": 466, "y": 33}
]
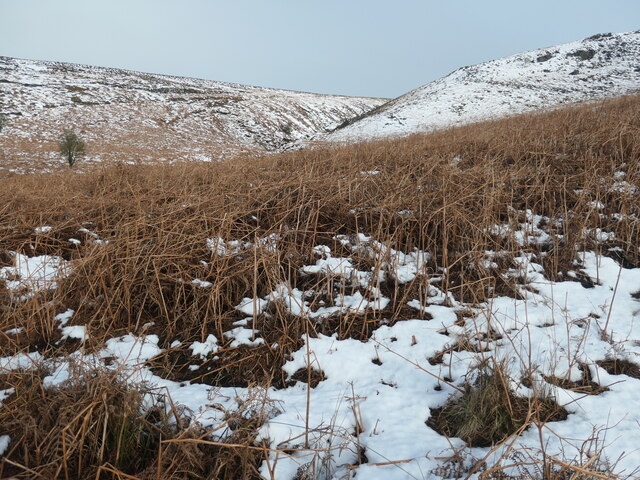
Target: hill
[
  {"x": 140, "y": 117},
  {"x": 601, "y": 66}
]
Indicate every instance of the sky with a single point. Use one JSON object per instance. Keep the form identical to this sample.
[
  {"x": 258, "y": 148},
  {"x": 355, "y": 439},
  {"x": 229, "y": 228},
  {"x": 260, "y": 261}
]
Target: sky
[{"x": 348, "y": 47}]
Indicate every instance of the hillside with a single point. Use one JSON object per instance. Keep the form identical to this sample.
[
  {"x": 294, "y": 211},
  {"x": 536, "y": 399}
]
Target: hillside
[
  {"x": 138, "y": 117},
  {"x": 463, "y": 304},
  {"x": 598, "y": 67}
]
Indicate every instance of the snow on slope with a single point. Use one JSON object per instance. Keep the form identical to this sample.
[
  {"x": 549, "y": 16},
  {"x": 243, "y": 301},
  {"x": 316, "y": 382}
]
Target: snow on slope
[
  {"x": 598, "y": 67},
  {"x": 133, "y": 116},
  {"x": 377, "y": 394}
]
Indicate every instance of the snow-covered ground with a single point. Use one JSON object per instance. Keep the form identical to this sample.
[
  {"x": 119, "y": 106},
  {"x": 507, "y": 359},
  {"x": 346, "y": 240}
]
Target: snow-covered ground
[
  {"x": 377, "y": 394},
  {"x": 598, "y": 67},
  {"x": 133, "y": 116}
]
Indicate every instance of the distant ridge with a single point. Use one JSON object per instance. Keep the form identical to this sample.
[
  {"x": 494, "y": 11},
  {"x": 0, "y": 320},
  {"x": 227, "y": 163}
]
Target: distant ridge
[{"x": 601, "y": 66}]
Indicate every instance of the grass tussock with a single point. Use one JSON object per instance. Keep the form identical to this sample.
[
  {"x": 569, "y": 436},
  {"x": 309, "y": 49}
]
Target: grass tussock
[
  {"x": 93, "y": 419},
  {"x": 488, "y": 411},
  {"x": 97, "y": 424}
]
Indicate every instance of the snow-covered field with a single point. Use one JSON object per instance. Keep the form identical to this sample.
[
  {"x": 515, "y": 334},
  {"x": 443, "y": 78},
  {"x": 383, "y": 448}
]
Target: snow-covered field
[
  {"x": 376, "y": 395},
  {"x": 598, "y": 67}
]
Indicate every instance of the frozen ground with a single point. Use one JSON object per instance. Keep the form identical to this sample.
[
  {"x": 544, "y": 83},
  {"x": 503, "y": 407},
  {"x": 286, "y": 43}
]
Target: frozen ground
[
  {"x": 366, "y": 418},
  {"x": 598, "y": 67}
]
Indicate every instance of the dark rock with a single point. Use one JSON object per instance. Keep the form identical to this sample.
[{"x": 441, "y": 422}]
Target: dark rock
[
  {"x": 600, "y": 35},
  {"x": 586, "y": 54},
  {"x": 544, "y": 58}
]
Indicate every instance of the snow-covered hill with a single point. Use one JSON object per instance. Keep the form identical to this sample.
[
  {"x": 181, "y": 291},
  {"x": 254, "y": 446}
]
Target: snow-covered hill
[
  {"x": 133, "y": 116},
  {"x": 598, "y": 67}
]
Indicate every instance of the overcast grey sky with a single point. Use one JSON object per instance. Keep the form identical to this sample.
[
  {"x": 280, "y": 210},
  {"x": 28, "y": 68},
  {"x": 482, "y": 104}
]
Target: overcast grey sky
[{"x": 351, "y": 47}]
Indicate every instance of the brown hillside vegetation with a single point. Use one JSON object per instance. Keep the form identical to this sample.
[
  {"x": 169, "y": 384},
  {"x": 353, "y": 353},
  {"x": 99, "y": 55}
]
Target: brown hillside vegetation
[{"x": 438, "y": 193}]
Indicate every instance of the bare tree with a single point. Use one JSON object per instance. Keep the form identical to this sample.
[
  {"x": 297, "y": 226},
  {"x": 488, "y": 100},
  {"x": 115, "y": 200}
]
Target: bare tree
[{"x": 71, "y": 147}]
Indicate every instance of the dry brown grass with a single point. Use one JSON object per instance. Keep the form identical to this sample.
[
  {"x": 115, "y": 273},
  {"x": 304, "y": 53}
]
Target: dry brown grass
[
  {"x": 99, "y": 425},
  {"x": 158, "y": 218},
  {"x": 137, "y": 144},
  {"x": 620, "y": 366},
  {"x": 453, "y": 183}
]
